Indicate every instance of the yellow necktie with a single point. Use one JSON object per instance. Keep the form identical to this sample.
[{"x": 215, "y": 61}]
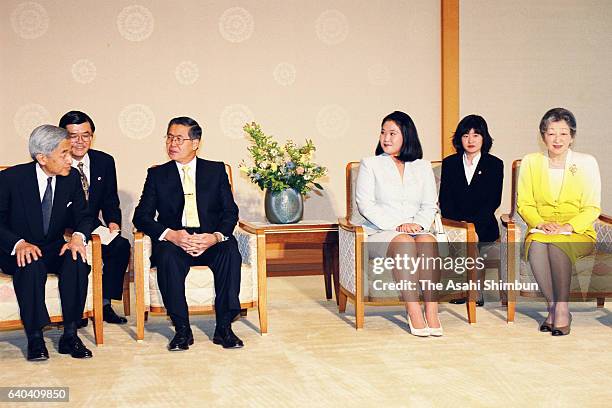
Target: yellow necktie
[{"x": 191, "y": 207}]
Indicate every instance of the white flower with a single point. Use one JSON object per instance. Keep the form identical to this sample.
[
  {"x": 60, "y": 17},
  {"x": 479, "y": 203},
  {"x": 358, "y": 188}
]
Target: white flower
[
  {"x": 273, "y": 152},
  {"x": 306, "y": 176},
  {"x": 263, "y": 164}
]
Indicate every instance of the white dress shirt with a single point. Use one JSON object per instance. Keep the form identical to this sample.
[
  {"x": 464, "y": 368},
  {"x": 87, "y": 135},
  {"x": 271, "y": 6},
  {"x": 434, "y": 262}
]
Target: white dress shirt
[
  {"x": 470, "y": 168},
  {"x": 86, "y": 166},
  {"x": 42, "y": 177}
]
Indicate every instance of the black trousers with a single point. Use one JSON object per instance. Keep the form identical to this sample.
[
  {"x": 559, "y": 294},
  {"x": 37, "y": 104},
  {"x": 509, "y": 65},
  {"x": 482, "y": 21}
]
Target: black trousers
[
  {"x": 173, "y": 265},
  {"x": 115, "y": 256},
  {"x": 29, "y": 283}
]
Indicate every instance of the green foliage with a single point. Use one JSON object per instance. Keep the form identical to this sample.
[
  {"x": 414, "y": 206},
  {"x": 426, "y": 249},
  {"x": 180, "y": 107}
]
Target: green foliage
[{"x": 277, "y": 167}]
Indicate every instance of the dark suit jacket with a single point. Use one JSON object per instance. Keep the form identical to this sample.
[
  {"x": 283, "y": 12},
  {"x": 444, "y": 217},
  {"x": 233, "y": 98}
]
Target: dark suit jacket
[
  {"x": 163, "y": 193},
  {"x": 21, "y": 209},
  {"x": 477, "y": 201},
  {"x": 103, "y": 188}
]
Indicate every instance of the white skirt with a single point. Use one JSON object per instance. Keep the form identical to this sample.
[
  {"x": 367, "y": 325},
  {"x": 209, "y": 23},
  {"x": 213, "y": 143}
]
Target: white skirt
[{"x": 383, "y": 238}]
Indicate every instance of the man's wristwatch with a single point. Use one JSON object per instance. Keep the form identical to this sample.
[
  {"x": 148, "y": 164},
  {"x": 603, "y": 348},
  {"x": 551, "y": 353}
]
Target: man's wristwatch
[{"x": 220, "y": 237}]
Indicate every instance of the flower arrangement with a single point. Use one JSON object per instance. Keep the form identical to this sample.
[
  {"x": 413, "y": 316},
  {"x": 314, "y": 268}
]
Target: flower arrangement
[{"x": 277, "y": 167}]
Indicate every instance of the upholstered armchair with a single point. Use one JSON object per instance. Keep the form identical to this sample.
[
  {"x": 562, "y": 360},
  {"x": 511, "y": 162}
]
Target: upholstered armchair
[
  {"x": 9, "y": 309},
  {"x": 593, "y": 272},
  {"x": 199, "y": 284},
  {"x": 356, "y": 272}
]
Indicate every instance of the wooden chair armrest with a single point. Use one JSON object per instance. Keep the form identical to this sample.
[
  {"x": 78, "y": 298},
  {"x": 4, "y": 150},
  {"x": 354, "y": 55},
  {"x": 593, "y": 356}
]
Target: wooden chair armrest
[
  {"x": 605, "y": 218},
  {"x": 507, "y": 221},
  {"x": 346, "y": 225},
  {"x": 456, "y": 224}
]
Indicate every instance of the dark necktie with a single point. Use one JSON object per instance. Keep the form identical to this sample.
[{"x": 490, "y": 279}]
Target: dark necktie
[
  {"x": 84, "y": 181},
  {"x": 47, "y": 205}
]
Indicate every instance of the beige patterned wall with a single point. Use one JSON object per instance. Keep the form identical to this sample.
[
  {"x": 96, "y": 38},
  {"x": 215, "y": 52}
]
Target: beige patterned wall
[
  {"x": 519, "y": 58},
  {"x": 326, "y": 70}
]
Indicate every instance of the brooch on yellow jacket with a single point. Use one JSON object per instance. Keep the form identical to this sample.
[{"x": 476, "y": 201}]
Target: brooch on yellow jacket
[{"x": 573, "y": 169}]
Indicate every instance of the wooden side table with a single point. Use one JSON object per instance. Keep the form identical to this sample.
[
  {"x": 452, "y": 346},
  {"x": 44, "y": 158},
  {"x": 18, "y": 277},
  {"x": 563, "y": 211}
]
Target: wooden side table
[{"x": 303, "y": 232}]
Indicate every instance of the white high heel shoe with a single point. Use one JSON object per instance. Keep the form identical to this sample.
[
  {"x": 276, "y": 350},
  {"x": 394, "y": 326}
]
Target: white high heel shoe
[
  {"x": 436, "y": 331},
  {"x": 424, "y": 332}
]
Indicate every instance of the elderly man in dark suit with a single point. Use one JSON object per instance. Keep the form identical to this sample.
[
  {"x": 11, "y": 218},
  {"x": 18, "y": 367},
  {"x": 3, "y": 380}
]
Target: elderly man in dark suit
[
  {"x": 38, "y": 201},
  {"x": 99, "y": 182},
  {"x": 196, "y": 215}
]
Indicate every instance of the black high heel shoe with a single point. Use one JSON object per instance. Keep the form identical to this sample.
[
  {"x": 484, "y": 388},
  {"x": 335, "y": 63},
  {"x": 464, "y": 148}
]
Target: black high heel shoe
[
  {"x": 562, "y": 331},
  {"x": 546, "y": 327}
]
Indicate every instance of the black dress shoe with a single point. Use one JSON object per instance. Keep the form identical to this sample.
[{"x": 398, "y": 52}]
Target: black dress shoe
[
  {"x": 546, "y": 327},
  {"x": 74, "y": 346},
  {"x": 83, "y": 323},
  {"x": 182, "y": 339},
  {"x": 37, "y": 351},
  {"x": 225, "y": 337},
  {"x": 110, "y": 316}
]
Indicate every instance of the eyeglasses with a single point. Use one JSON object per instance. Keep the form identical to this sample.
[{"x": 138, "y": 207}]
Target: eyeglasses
[
  {"x": 179, "y": 140},
  {"x": 83, "y": 137}
]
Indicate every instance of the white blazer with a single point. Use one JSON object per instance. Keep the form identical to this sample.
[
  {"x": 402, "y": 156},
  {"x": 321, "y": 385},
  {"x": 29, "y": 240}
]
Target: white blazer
[{"x": 386, "y": 202}]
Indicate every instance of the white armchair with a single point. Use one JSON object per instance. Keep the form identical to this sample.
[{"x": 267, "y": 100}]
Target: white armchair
[
  {"x": 9, "y": 309},
  {"x": 356, "y": 272},
  {"x": 593, "y": 272},
  {"x": 199, "y": 284}
]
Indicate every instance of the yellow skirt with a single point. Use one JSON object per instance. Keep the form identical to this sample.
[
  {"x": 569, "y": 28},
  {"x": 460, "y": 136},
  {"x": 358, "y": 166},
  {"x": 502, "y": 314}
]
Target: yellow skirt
[{"x": 574, "y": 246}]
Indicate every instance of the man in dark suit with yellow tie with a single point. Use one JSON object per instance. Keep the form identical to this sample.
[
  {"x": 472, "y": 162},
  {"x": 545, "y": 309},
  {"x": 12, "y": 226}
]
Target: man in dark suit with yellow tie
[
  {"x": 196, "y": 215},
  {"x": 38, "y": 201}
]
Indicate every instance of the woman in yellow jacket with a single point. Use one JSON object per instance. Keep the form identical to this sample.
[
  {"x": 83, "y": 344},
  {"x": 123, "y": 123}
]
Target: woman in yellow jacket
[{"x": 559, "y": 195}]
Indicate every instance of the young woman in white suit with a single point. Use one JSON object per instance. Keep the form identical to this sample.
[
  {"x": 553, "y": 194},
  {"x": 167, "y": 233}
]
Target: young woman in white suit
[{"x": 396, "y": 194}]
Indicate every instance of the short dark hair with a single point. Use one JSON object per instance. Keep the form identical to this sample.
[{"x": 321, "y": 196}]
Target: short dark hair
[
  {"x": 557, "y": 115},
  {"x": 76, "y": 118},
  {"x": 195, "y": 131},
  {"x": 411, "y": 149},
  {"x": 479, "y": 125}
]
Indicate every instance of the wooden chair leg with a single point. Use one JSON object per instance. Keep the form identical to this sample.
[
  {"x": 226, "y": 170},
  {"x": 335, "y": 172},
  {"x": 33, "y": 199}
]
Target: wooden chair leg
[
  {"x": 126, "y": 294},
  {"x": 342, "y": 298},
  {"x": 139, "y": 289},
  {"x": 97, "y": 289},
  {"x": 359, "y": 313},
  {"x": 600, "y": 302},
  {"x": 262, "y": 283},
  {"x": 471, "y": 310},
  {"x": 511, "y": 310}
]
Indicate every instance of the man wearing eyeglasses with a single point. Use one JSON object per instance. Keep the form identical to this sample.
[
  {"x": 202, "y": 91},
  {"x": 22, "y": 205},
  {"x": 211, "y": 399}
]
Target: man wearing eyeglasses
[
  {"x": 196, "y": 217},
  {"x": 99, "y": 182}
]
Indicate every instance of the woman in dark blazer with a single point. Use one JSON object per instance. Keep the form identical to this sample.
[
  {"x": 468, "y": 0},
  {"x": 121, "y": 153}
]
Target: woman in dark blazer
[{"x": 471, "y": 183}]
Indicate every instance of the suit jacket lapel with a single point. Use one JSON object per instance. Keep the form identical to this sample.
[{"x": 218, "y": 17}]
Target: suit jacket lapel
[
  {"x": 94, "y": 173},
  {"x": 201, "y": 195},
  {"x": 31, "y": 202},
  {"x": 60, "y": 200},
  {"x": 478, "y": 170},
  {"x": 175, "y": 190},
  {"x": 567, "y": 175}
]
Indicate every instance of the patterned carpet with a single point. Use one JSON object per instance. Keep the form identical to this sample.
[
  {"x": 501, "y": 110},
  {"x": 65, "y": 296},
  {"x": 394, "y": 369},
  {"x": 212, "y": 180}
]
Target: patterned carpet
[{"x": 313, "y": 356}]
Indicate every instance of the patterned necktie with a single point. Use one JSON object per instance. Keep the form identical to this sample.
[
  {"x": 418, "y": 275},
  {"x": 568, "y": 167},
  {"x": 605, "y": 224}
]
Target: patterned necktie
[
  {"x": 191, "y": 207},
  {"x": 84, "y": 181},
  {"x": 47, "y": 205}
]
